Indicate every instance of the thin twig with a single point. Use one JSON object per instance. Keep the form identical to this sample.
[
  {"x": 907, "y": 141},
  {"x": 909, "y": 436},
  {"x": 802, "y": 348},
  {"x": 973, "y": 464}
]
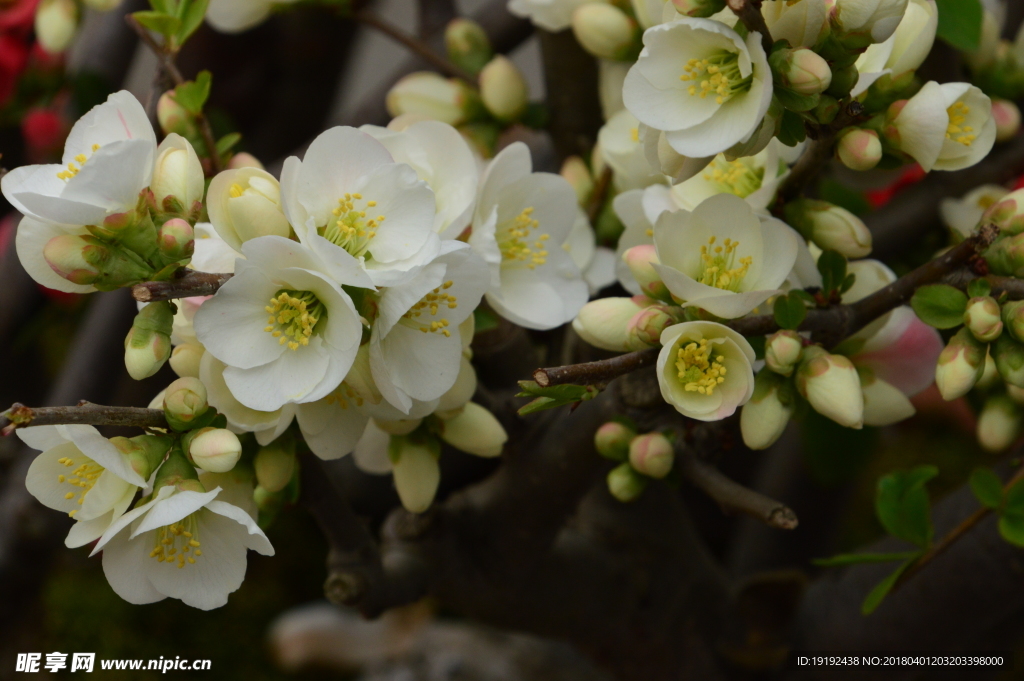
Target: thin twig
[
  {"x": 414, "y": 44},
  {"x": 818, "y": 153},
  {"x": 20, "y": 416},
  {"x": 166, "y": 59},
  {"x": 749, "y": 12},
  {"x": 188, "y": 283},
  {"x": 599, "y": 372}
]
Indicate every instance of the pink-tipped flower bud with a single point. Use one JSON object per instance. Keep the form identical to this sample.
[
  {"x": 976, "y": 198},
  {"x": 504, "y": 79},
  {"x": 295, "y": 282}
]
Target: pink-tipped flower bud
[
  {"x": 698, "y": 8},
  {"x": 176, "y": 239},
  {"x": 78, "y": 259},
  {"x": 1006, "y": 114},
  {"x": 1013, "y": 319},
  {"x": 1006, "y": 255},
  {"x": 244, "y": 160},
  {"x": 782, "y": 351},
  {"x": 960, "y": 365},
  {"x": 801, "y": 71},
  {"x": 765, "y": 416},
  {"x": 612, "y": 440},
  {"x": 831, "y": 384},
  {"x": 652, "y": 455},
  {"x": 1007, "y": 214},
  {"x": 145, "y": 352},
  {"x": 859, "y": 149},
  {"x": 604, "y": 323},
  {"x": 216, "y": 450},
  {"x": 646, "y": 325},
  {"x": 184, "y": 402},
  {"x": 185, "y": 359},
  {"x": 174, "y": 118},
  {"x": 1009, "y": 357},
  {"x": 577, "y": 174},
  {"x": 830, "y": 226},
  {"x": 999, "y": 423},
  {"x": 983, "y": 318},
  {"x": 625, "y": 484},
  {"x": 641, "y": 261},
  {"x": 605, "y": 31}
]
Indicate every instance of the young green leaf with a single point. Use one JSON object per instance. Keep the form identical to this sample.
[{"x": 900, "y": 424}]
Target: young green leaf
[
  {"x": 1011, "y": 527},
  {"x": 192, "y": 95},
  {"x": 553, "y": 396},
  {"x": 987, "y": 487},
  {"x": 960, "y": 23},
  {"x": 792, "y": 131},
  {"x": 227, "y": 141},
  {"x": 878, "y": 594},
  {"x": 1015, "y": 500},
  {"x": 790, "y": 311},
  {"x": 832, "y": 267},
  {"x": 979, "y": 288},
  {"x": 164, "y": 6},
  {"x": 191, "y": 14},
  {"x": 939, "y": 305},
  {"x": 903, "y": 507},
  {"x": 158, "y": 22},
  {"x": 854, "y": 558}
]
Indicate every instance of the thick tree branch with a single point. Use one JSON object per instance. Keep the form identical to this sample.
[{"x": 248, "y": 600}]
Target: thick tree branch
[
  {"x": 749, "y": 12},
  {"x": 599, "y": 372},
  {"x": 414, "y": 44},
  {"x": 20, "y": 416},
  {"x": 185, "y": 284}
]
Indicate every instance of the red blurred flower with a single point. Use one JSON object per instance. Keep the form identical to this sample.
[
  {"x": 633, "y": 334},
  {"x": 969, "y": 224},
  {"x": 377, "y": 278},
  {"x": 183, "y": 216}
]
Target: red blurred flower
[
  {"x": 17, "y": 15},
  {"x": 879, "y": 197},
  {"x": 13, "y": 58},
  {"x": 44, "y": 132}
]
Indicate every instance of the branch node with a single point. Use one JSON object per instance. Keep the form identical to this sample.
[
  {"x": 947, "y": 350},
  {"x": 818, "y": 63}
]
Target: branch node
[{"x": 345, "y": 588}]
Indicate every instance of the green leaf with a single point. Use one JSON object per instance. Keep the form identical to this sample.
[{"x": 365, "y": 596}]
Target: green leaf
[
  {"x": 902, "y": 505},
  {"x": 939, "y": 305},
  {"x": 843, "y": 196},
  {"x": 854, "y": 558},
  {"x": 791, "y": 130},
  {"x": 1011, "y": 527},
  {"x": 804, "y": 296},
  {"x": 158, "y": 22},
  {"x": 790, "y": 311},
  {"x": 832, "y": 267},
  {"x": 228, "y": 141},
  {"x": 960, "y": 23},
  {"x": 1015, "y": 500},
  {"x": 878, "y": 594},
  {"x": 191, "y": 18},
  {"x": 484, "y": 320},
  {"x": 165, "y": 6},
  {"x": 848, "y": 283},
  {"x": 979, "y": 288},
  {"x": 193, "y": 94},
  {"x": 987, "y": 487},
  {"x": 553, "y": 396}
]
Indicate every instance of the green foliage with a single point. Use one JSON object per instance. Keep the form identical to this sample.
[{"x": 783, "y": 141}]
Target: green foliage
[
  {"x": 790, "y": 311},
  {"x": 854, "y": 558},
  {"x": 484, "y": 320},
  {"x": 960, "y": 23},
  {"x": 979, "y": 288},
  {"x": 839, "y": 194},
  {"x": 987, "y": 487},
  {"x": 553, "y": 396},
  {"x": 878, "y": 594},
  {"x": 175, "y": 20},
  {"x": 791, "y": 129},
  {"x": 832, "y": 267},
  {"x": 225, "y": 143},
  {"x": 902, "y": 505},
  {"x": 192, "y": 95},
  {"x": 1011, "y": 522},
  {"x": 940, "y": 305}
]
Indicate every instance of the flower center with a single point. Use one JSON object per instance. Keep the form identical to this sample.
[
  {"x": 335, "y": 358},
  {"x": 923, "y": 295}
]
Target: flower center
[
  {"x": 738, "y": 177},
  {"x": 83, "y": 477},
  {"x": 957, "y": 131},
  {"x": 175, "y": 542},
  {"x": 294, "y": 316},
  {"x": 431, "y": 304},
  {"x": 697, "y": 371},
  {"x": 718, "y": 265},
  {"x": 718, "y": 74},
  {"x": 520, "y": 246},
  {"x": 73, "y": 168},
  {"x": 344, "y": 396},
  {"x": 350, "y": 228}
]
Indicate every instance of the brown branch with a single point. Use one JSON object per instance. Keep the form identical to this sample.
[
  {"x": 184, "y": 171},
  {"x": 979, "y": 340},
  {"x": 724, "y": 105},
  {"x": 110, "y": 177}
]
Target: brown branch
[
  {"x": 818, "y": 153},
  {"x": 20, "y": 416},
  {"x": 166, "y": 59},
  {"x": 185, "y": 284},
  {"x": 413, "y": 44},
  {"x": 596, "y": 373},
  {"x": 1011, "y": 286},
  {"x": 731, "y": 495},
  {"x": 749, "y": 12}
]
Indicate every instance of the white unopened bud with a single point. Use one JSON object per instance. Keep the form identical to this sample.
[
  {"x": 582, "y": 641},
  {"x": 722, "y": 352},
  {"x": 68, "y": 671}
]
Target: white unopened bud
[
  {"x": 460, "y": 393},
  {"x": 999, "y": 423},
  {"x": 215, "y": 449},
  {"x": 178, "y": 174},
  {"x": 604, "y": 323},
  {"x": 145, "y": 352},
  {"x": 576, "y": 173},
  {"x": 416, "y": 473},
  {"x": 859, "y": 149},
  {"x": 830, "y": 227},
  {"x": 56, "y": 23},
  {"x": 428, "y": 94},
  {"x": 804, "y": 72},
  {"x": 782, "y": 351},
  {"x": 400, "y": 427},
  {"x": 612, "y": 440},
  {"x": 275, "y": 464},
  {"x": 960, "y": 365},
  {"x": 1007, "y": 117},
  {"x": 698, "y": 8},
  {"x": 245, "y": 204},
  {"x": 831, "y": 384},
  {"x": 652, "y": 455},
  {"x": 645, "y": 326},
  {"x": 475, "y": 431},
  {"x": 503, "y": 89},
  {"x": 185, "y": 359},
  {"x": 173, "y": 117},
  {"x": 884, "y": 403},
  {"x": 765, "y": 416},
  {"x": 983, "y": 318},
  {"x": 605, "y": 31},
  {"x": 641, "y": 261},
  {"x": 875, "y": 20},
  {"x": 244, "y": 160},
  {"x": 184, "y": 401}
]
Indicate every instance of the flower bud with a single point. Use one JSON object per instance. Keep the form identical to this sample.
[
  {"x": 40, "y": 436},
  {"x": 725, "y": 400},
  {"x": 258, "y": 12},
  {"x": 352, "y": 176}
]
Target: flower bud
[
  {"x": 1009, "y": 357},
  {"x": 1013, "y": 318},
  {"x": 460, "y": 393},
  {"x": 604, "y": 323},
  {"x": 177, "y": 471},
  {"x": 244, "y": 160},
  {"x": 400, "y": 427},
  {"x": 960, "y": 365},
  {"x": 76, "y": 258},
  {"x": 652, "y": 455},
  {"x": 831, "y": 384},
  {"x": 1007, "y": 214},
  {"x": 144, "y": 452},
  {"x": 645, "y": 327},
  {"x": 863, "y": 22},
  {"x": 641, "y": 261},
  {"x": 145, "y": 352},
  {"x": 245, "y": 204},
  {"x": 605, "y": 31},
  {"x": 467, "y": 44},
  {"x": 576, "y": 173},
  {"x": 884, "y": 403},
  {"x": 475, "y": 431},
  {"x": 983, "y": 318},
  {"x": 998, "y": 424},
  {"x": 275, "y": 464},
  {"x": 1007, "y": 117},
  {"x": 184, "y": 402},
  {"x": 176, "y": 240},
  {"x": 416, "y": 472},
  {"x": 625, "y": 484},
  {"x": 56, "y": 23},
  {"x": 1006, "y": 255},
  {"x": 178, "y": 181},
  {"x": 503, "y": 89},
  {"x": 215, "y": 449},
  {"x": 989, "y": 375},
  {"x": 612, "y": 440},
  {"x": 830, "y": 227},
  {"x": 433, "y": 96},
  {"x": 185, "y": 359},
  {"x": 698, "y": 8},
  {"x": 173, "y": 117},
  {"x": 859, "y": 149},
  {"x": 801, "y": 71},
  {"x": 765, "y": 415},
  {"x": 782, "y": 351}
]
